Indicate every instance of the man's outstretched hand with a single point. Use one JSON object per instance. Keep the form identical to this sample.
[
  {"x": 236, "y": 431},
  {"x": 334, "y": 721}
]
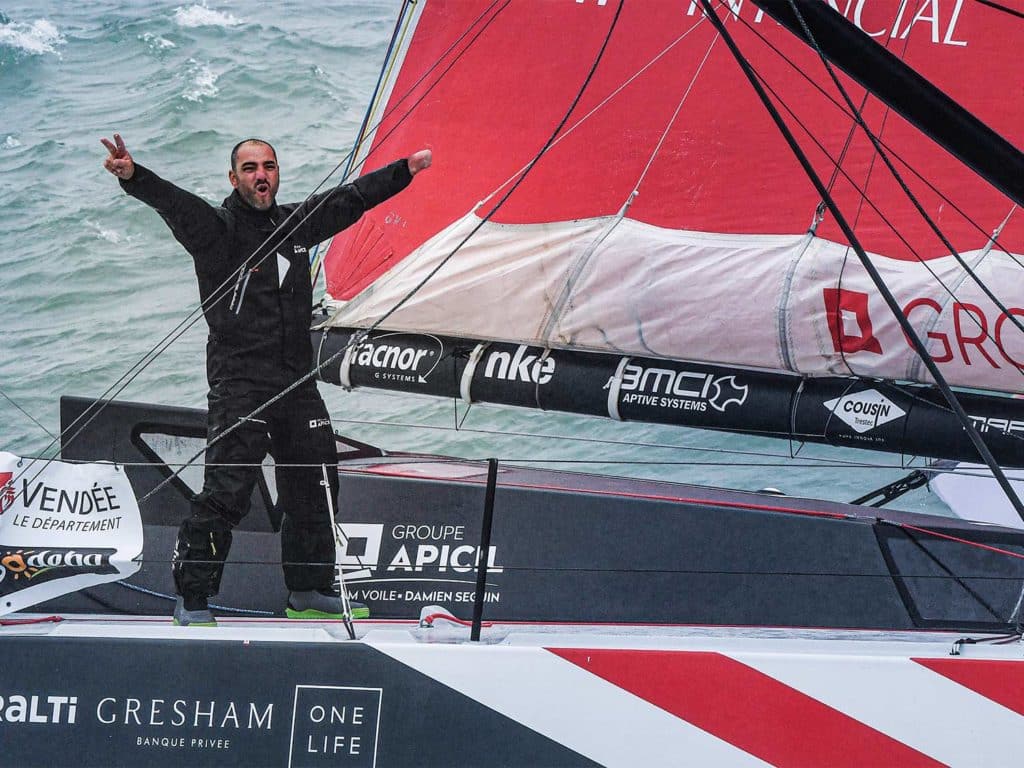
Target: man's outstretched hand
[
  {"x": 119, "y": 162},
  {"x": 419, "y": 161}
]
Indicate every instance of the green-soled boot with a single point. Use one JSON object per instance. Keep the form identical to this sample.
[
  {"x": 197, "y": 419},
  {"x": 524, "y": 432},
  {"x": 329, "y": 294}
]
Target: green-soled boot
[
  {"x": 200, "y": 617},
  {"x": 314, "y": 604}
]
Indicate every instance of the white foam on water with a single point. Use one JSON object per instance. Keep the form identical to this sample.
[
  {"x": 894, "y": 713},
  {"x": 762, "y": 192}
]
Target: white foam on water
[
  {"x": 36, "y": 38},
  {"x": 156, "y": 42},
  {"x": 10, "y": 143},
  {"x": 201, "y": 16},
  {"x": 202, "y": 82},
  {"x": 110, "y": 235}
]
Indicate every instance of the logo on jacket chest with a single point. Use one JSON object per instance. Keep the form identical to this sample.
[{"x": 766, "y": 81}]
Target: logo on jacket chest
[{"x": 284, "y": 264}]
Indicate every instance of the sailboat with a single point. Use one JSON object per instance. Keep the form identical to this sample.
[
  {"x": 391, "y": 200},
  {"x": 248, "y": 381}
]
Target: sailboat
[{"x": 665, "y": 212}]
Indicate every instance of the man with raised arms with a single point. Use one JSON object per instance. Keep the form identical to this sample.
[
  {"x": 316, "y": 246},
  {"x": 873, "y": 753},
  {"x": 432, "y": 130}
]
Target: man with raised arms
[{"x": 252, "y": 263}]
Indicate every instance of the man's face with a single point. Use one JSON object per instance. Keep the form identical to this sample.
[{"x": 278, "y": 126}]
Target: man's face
[{"x": 256, "y": 175}]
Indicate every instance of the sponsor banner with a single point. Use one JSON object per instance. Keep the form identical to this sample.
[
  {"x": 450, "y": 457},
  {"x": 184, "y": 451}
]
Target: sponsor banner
[
  {"x": 63, "y": 527},
  {"x": 572, "y": 700},
  {"x": 204, "y": 703},
  {"x": 405, "y": 362},
  {"x": 915, "y": 421},
  {"x": 690, "y": 394},
  {"x": 403, "y": 565},
  {"x": 551, "y": 379},
  {"x": 837, "y": 410},
  {"x": 857, "y": 414}
]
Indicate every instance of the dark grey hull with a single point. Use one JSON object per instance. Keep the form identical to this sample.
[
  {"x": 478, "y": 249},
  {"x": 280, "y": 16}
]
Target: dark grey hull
[{"x": 570, "y": 547}]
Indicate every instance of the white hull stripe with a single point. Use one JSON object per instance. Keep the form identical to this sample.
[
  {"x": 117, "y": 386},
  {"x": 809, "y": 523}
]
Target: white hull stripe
[{"x": 636, "y": 707}]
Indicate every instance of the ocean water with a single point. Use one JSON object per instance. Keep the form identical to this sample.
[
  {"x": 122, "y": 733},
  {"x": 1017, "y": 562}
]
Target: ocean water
[{"x": 91, "y": 281}]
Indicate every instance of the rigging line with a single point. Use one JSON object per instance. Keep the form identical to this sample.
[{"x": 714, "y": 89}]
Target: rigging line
[
  {"x": 1001, "y": 8},
  {"x": 576, "y": 270},
  {"x": 600, "y": 441},
  {"x": 357, "y": 338},
  {"x": 814, "y": 462},
  {"x": 792, "y": 64},
  {"x": 888, "y": 222},
  {"x": 860, "y": 210},
  {"x": 869, "y": 267},
  {"x": 29, "y": 415},
  {"x": 917, "y": 174},
  {"x": 675, "y": 115},
  {"x": 399, "y": 28},
  {"x": 221, "y": 291},
  {"x": 863, "y": 191},
  {"x": 957, "y": 539},
  {"x": 949, "y": 572},
  {"x": 823, "y": 464},
  {"x": 430, "y": 70},
  {"x": 885, "y": 118},
  {"x": 430, "y": 569},
  {"x": 865, "y": 198},
  {"x": 962, "y": 471},
  {"x": 896, "y": 174},
  {"x": 664, "y": 52},
  {"x": 842, "y": 154}
]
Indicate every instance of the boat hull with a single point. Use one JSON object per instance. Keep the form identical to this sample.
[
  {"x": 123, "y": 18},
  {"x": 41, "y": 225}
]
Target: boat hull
[
  {"x": 569, "y": 547},
  {"x": 259, "y": 694}
]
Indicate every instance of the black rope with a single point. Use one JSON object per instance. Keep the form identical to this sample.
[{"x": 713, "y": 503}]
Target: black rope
[
  {"x": 221, "y": 291},
  {"x": 27, "y": 414},
  {"x": 917, "y": 174},
  {"x": 357, "y": 338},
  {"x": 859, "y": 119},
  {"x": 949, "y": 573},
  {"x": 869, "y": 266},
  {"x": 1001, "y": 8}
]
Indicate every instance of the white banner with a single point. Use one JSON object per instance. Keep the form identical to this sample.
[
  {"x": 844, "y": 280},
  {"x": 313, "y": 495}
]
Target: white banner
[{"x": 63, "y": 527}]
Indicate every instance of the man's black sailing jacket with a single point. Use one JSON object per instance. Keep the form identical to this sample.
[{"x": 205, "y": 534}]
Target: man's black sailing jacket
[{"x": 259, "y": 324}]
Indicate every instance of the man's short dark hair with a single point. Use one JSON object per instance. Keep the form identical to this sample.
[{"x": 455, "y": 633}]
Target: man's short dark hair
[{"x": 239, "y": 145}]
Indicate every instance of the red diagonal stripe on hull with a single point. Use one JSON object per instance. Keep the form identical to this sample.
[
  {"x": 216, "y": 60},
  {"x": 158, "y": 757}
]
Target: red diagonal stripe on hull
[
  {"x": 1001, "y": 681},
  {"x": 746, "y": 708}
]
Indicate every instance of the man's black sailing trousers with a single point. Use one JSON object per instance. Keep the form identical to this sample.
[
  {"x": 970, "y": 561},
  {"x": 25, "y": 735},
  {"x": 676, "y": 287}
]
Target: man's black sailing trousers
[{"x": 296, "y": 431}]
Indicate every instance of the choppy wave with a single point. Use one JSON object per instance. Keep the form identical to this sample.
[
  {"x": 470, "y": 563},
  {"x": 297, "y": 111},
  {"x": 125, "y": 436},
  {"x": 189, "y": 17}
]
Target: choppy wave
[
  {"x": 202, "y": 82},
  {"x": 110, "y": 235},
  {"x": 92, "y": 279},
  {"x": 32, "y": 38},
  {"x": 157, "y": 43},
  {"x": 202, "y": 16}
]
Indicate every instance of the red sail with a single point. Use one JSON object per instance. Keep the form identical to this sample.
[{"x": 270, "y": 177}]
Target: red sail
[{"x": 718, "y": 206}]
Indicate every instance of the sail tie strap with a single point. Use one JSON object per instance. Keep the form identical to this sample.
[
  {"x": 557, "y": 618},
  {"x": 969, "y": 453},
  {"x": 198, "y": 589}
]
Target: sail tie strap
[
  {"x": 614, "y": 388},
  {"x": 466, "y": 382},
  {"x": 578, "y": 269}
]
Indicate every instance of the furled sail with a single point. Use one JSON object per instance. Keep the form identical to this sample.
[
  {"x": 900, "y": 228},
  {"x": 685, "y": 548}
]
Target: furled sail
[{"x": 607, "y": 183}]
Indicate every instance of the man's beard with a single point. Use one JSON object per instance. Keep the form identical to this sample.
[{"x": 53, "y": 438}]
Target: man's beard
[{"x": 250, "y": 197}]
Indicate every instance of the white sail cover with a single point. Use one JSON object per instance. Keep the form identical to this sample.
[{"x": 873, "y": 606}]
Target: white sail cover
[{"x": 669, "y": 218}]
